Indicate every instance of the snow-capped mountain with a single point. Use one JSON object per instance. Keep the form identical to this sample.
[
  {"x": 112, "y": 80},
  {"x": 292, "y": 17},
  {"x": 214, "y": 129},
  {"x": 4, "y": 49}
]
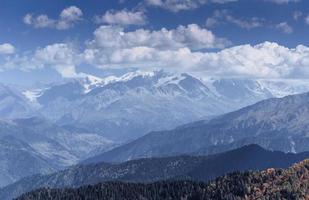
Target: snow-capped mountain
[{"x": 126, "y": 107}]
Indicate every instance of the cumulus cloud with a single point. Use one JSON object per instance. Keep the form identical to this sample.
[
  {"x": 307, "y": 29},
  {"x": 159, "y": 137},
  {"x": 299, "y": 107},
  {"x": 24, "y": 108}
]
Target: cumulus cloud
[
  {"x": 224, "y": 16},
  {"x": 180, "y": 5},
  {"x": 191, "y": 36},
  {"x": 41, "y": 21},
  {"x": 6, "y": 49},
  {"x": 67, "y": 19},
  {"x": 122, "y": 17},
  {"x": 181, "y": 49},
  {"x": 284, "y": 27},
  {"x": 266, "y": 60},
  {"x": 60, "y": 56}
]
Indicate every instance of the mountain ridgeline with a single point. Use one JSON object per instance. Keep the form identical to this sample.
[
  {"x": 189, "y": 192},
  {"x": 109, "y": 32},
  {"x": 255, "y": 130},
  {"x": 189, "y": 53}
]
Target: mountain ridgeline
[
  {"x": 286, "y": 184},
  {"x": 197, "y": 168},
  {"x": 276, "y": 124},
  {"x": 50, "y": 127},
  {"x": 127, "y": 107}
]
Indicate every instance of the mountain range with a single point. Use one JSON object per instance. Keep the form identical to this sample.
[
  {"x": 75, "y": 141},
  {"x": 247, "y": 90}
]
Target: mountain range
[
  {"x": 197, "y": 168},
  {"x": 291, "y": 183},
  {"x": 275, "y": 124},
  {"x": 127, "y": 107},
  {"x": 60, "y": 124}
]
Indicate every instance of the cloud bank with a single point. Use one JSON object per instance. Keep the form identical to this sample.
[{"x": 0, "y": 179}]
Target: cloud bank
[{"x": 184, "y": 49}]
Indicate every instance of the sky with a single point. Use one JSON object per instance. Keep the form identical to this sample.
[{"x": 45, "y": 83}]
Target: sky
[{"x": 47, "y": 40}]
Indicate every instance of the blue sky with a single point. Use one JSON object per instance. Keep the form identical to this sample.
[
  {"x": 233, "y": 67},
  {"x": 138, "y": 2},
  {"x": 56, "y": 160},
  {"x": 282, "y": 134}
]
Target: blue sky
[{"x": 208, "y": 38}]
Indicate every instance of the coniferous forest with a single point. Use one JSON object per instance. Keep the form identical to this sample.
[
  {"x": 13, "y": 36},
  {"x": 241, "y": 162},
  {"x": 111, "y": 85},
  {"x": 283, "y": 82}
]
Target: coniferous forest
[{"x": 289, "y": 184}]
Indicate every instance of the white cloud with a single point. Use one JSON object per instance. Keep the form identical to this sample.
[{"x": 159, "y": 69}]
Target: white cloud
[
  {"x": 181, "y": 49},
  {"x": 180, "y": 5},
  {"x": 60, "y": 56},
  {"x": 284, "y": 27},
  {"x": 6, "y": 49},
  {"x": 191, "y": 36},
  {"x": 122, "y": 17},
  {"x": 266, "y": 60},
  {"x": 67, "y": 19},
  {"x": 41, "y": 21},
  {"x": 224, "y": 16}
]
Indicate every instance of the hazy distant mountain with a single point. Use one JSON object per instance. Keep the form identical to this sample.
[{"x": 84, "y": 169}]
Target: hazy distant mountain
[
  {"x": 289, "y": 183},
  {"x": 18, "y": 160},
  {"x": 279, "y": 124},
  {"x": 33, "y": 145},
  {"x": 13, "y": 104},
  {"x": 127, "y": 107},
  {"x": 202, "y": 168}
]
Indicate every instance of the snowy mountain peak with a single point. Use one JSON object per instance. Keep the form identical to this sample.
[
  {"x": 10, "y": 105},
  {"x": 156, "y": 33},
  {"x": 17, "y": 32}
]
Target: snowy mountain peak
[
  {"x": 109, "y": 104},
  {"x": 89, "y": 82},
  {"x": 131, "y": 75}
]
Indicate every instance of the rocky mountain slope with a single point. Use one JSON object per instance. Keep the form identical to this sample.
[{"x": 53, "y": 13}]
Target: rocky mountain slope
[
  {"x": 201, "y": 168},
  {"x": 288, "y": 184}
]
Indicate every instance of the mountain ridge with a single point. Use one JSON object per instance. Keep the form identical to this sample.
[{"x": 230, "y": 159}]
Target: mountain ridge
[
  {"x": 278, "y": 123},
  {"x": 291, "y": 183},
  {"x": 198, "y": 168},
  {"x": 110, "y": 106}
]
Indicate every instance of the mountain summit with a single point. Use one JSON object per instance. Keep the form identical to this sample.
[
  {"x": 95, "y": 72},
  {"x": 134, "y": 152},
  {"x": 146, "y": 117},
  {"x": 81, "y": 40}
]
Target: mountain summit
[{"x": 127, "y": 107}]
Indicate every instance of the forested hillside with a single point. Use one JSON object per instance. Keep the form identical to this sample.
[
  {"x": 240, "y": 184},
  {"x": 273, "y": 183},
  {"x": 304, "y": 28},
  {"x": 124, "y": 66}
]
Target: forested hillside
[
  {"x": 292, "y": 183},
  {"x": 196, "y": 168}
]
